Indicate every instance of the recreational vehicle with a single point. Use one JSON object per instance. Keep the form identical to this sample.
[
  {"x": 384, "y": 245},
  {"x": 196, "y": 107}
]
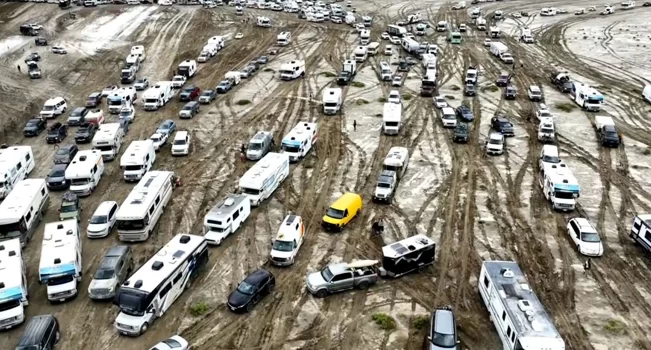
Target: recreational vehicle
[
  {"x": 386, "y": 74},
  {"x": 85, "y": 171},
  {"x": 108, "y": 139},
  {"x": 332, "y": 100},
  {"x": 138, "y": 50},
  {"x": 152, "y": 290},
  {"x": 288, "y": 241},
  {"x": 397, "y": 160},
  {"x": 144, "y": 205},
  {"x": 225, "y": 218},
  {"x": 360, "y": 53},
  {"x": 118, "y": 98},
  {"x": 559, "y": 186},
  {"x": 586, "y": 97},
  {"x": 364, "y": 37},
  {"x": 13, "y": 289},
  {"x": 16, "y": 162},
  {"x": 392, "y": 118},
  {"x": 411, "y": 254},
  {"x": 60, "y": 267},
  {"x": 373, "y": 48},
  {"x": 519, "y": 317},
  {"x": 641, "y": 231},
  {"x": 299, "y": 141},
  {"x": 284, "y": 39},
  {"x": 187, "y": 68},
  {"x": 157, "y": 96},
  {"x": 263, "y": 22},
  {"x": 395, "y": 30},
  {"x": 292, "y": 70},
  {"x": 23, "y": 209},
  {"x": 262, "y": 179},
  {"x": 138, "y": 159}
]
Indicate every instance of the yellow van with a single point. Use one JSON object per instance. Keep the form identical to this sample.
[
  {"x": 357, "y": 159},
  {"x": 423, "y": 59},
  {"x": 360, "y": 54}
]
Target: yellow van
[{"x": 342, "y": 211}]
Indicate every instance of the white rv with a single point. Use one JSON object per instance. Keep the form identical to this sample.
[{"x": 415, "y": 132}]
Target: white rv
[
  {"x": 373, "y": 48},
  {"x": 144, "y": 205},
  {"x": 360, "y": 53},
  {"x": 367, "y": 21},
  {"x": 299, "y": 141},
  {"x": 138, "y": 159},
  {"x": 85, "y": 171},
  {"x": 262, "y": 179},
  {"x": 392, "y": 118},
  {"x": 152, "y": 290},
  {"x": 13, "y": 289},
  {"x": 559, "y": 186},
  {"x": 288, "y": 241},
  {"x": 397, "y": 160},
  {"x": 264, "y": 22},
  {"x": 586, "y": 97},
  {"x": 292, "y": 70},
  {"x": 332, "y": 100},
  {"x": 225, "y": 218},
  {"x": 108, "y": 139},
  {"x": 519, "y": 317},
  {"x": 124, "y": 95},
  {"x": 548, "y": 11},
  {"x": 60, "y": 267},
  {"x": 157, "y": 96},
  {"x": 23, "y": 209},
  {"x": 187, "y": 68},
  {"x": 16, "y": 162},
  {"x": 494, "y": 31},
  {"x": 217, "y": 41},
  {"x": 386, "y": 73},
  {"x": 284, "y": 39},
  {"x": 364, "y": 37},
  {"x": 140, "y": 51}
]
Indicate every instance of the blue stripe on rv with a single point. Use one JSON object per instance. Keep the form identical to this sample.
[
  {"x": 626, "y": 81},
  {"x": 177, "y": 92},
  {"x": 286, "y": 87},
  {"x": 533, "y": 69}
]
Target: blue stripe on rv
[
  {"x": 56, "y": 271},
  {"x": 568, "y": 188},
  {"x": 13, "y": 293}
]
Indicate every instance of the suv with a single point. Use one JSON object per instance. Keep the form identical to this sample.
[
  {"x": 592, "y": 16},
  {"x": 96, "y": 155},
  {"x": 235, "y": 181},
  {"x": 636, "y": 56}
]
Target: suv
[
  {"x": 464, "y": 113},
  {"x": 469, "y": 90},
  {"x": 502, "y": 125},
  {"x": 189, "y": 110},
  {"x": 461, "y": 133},
  {"x": 495, "y": 143},
  {"x": 56, "y": 179},
  {"x": 94, "y": 100},
  {"x": 503, "y": 79},
  {"x": 56, "y": 133},
  {"x": 42, "y": 333},
  {"x": 112, "y": 271},
  {"x": 77, "y": 116},
  {"x": 510, "y": 93},
  {"x": 65, "y": 154},
  {"x": 85, "y": 133},
  {"x": 443, "y": 330},
  {"x": 34, "y": 127},
  {"x": 585, "y": 237}
]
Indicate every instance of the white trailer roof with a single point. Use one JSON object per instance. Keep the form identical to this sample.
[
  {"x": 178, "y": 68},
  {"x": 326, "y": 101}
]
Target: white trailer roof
[
  {"x": 392, "y": 112},
  {"x": 290, "y": 229},
  {"x": 136, "y": 152},
  {"x": 263, "y": 169},
  {"x": 18, "y": 201},
  {"x": 152, "y": 92},
  {"x": 408, "y": 245},
  {"x": 11, "y": 156},
  {"x": 143, "y": 194},
  {"x": 60, "y": 241},
  {"x": 11, "y": 269},
  {"x": 222, "y": 211},
  {"x": 396, "y": 156},
  {"x": 301, "y": 132},
  {"x": 331, "y": 95},
  {"x": 106, "y": 134},
  {"x": 82, "y": 164}
]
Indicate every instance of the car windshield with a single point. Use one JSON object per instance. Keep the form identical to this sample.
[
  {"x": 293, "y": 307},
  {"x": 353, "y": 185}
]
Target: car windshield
[
  {"x": 563, "y": 195},
  {"x": 58, "y": 173},
  {"x": 173, "y": 344},
  {"x": 255, "y": 146},
  {"x": 384, "y": 185},
  {"x": 155, "y": 138},
  {"x": 251, "y": 191},
  {"x": 125, "y": 113},
  {"x": 283, "y": 246},
  {"x": 62, "y": 152},
  {"x": 590, "y": 237},
  {"x": 335, "y": 213},
  {"x": 246, "y": 288},
  {"x": 60, "y": 280},
  {"x": 79, "y": 182},
  {"x": 326, "y": 274},
  {"x": 551, "y": 159},
  {"x": 207, "y": 93},
  {"x": 32, "y": 123},
  {"x": 179, "y": 142},
  {"x": 187, "y": 107},
  {"x": 506, "y": 125},
  {"x": 48, "y": 108},
  {"x": 547, "y": 130},
  {"x": 495, "y": 141},
  {"x": 444, "y": 340},
  {"x": 133, "y": 167},
  {"x": 104, "y": 274},
  {"x": 98, "y": 219},
  {"x": 140, "y": 81},
  {"x": 68, "y": 207}
]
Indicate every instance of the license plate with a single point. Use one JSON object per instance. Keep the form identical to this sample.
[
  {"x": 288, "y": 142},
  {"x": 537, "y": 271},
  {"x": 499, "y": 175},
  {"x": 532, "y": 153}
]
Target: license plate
[
  {"x": 124, "y": 333},
  {"x": 62, "y": 300}
]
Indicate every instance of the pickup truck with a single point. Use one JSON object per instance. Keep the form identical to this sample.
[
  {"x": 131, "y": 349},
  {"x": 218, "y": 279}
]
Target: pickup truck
[
  {"x": 385, "y": 186},
  {"x": 607, "y": 132},
  {"x": 561, "y": 81},
  {"x": 344, "y": 78},
  {"x": 339, "y": 277}
]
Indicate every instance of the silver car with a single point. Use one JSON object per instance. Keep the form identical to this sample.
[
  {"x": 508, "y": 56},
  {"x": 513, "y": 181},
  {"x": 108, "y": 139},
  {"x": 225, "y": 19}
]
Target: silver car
[
  {"x": 342, "y": 276},
  {"x": 114, "y": 268},
  {"x": 443, "y": 330}
]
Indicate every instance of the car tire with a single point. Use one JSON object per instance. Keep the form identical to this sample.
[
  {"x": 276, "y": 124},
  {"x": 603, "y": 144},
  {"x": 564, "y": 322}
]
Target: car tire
[
  {"x": 363, "y": 285},
  {"x": 57, "y": 337},
  {"x": 144, "y": 328},
  {"x": 321, "y": 293},
  {"x": 270, "y": 288}
]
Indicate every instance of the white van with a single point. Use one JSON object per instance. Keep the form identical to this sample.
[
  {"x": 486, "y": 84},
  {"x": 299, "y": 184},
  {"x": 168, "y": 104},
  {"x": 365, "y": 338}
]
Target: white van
[
  {"x": 54, "y": 107},
  {"x": 386, "y": 73},
  {"x": 181, "y": 144},
  {"x": 373, "y": 48},
  {"x": 262, "y": 179},
  {"x": 225, "y": 218},
  {"x": 138, "y": 159},
  {"x": 392, "y": 118},
  {"x": 284, "y": 38},
  {"x": 288, "y": 241},
  {"x": 332, "y": 100},
  {"x": 388, "y": 50},
  {"x": 292, "y": 70},
  {"x": 448, "y": 117},
  {"x": 16, "y": 163},
  {"x": 85, "y": 171}
]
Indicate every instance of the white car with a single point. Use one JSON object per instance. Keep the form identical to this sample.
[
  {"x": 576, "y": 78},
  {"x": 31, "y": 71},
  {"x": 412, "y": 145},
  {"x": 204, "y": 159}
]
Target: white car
[
  {"x": 178, "y": 81},
  {"x": 103, "y": 220},
  {"x": 516, "y": 15},
  {"x": 127, "y": 113},
  {"x": 385, "y": 36},
  {"x": 181, "y": 144},
  {"x": 410, "y": 36},
  {"x": 36, "y": 26},
  {"x": 495, "y": 143},
  {"x": 448, "y": 120},
  {"x": 585, "y": 237},
  {"x": 60, "y": 50},
  {"x": 239, "y": 36},
  {"x": 394, "y": 97},
  {"x": 395, "y": 40},
  {"x": 440, "y": 102},
  {"x": 159, "y": 140},
  {"x": 487, "y": 42},
  {"x": 109, "y": 89},
  {"x": 397, "y": 81},
  {"x": 173, "y": 343},
  {"x": 562, "y": 10},
  {"x": 141, "y": 84}
]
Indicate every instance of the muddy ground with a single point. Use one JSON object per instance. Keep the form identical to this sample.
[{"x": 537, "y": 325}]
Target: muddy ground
[{"x": 475, "y": 207}]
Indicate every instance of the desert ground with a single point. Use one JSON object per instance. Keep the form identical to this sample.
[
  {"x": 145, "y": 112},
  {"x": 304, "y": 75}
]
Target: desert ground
[{"x": 475, "y": 207}]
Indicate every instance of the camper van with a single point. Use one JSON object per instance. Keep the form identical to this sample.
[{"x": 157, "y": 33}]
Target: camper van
[
  {"x": 16, "y": 162},
  {"x": 641, "y": 231},
  {"x": 586, "y": 97},
  {"x": 288, "y": 241},
  {"x": 395, "y": 30},
  {"x": 364, "y": 37},
  {"x": 140, "y": 51},
  {"x": 284, "y": 39},
  {"x": 386, "y": 73},
  {"x": 397, "y": 160},
  {"x": 157, "y": 96},
  {"x": 259, "y": 145},
  {"x": 411, "y": 254},
  {"x": 360, "y": 53},
  {"x": 392, "y": 118},
  {"x": 138, "y": 159},
  {"x": 13, "y": 290},
  {"x": 60, "y": 267},
  {"x": 559, "y": 186},
  {"x": 108, "y": 139},
  {"x": 299, "y": 141},
  {"x": 187, "y": 68},
  {"x": 332, "y": 100},
  {"x": 125, "y": 95},
  {"x": 373, "y": 48},
  {"x": 225, "y": 218},
  {"x": 262, "y": 179},
  {"x": 518, "y": 315},
  {"x": 217, "y": 41},
  {"x": 548, "y": 11},
  {"x": 144, "y": 205},
  {"x": 22, "y": 210},
  {"x": 292, "y": 70},
  {"x": 441, "y": 26},
  {"x": 85, "y": 171},
  {"x": 263, "y": 22}
]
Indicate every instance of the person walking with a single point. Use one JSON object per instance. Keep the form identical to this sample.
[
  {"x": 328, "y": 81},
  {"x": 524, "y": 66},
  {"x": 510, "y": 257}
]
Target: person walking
[
  {"x": 586, "y": 265},
  {"x": 243, "y": 152},
  {"x": 19, "y": 68}
]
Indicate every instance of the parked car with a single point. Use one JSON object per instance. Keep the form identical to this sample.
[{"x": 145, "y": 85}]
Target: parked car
[
  {"x": 440, "y": 102},
  {"x": 461, "y": 133},
  {"x": 465, "y": 113},
  {"x": 109, "y": 89},
  {"x": 263, "y": 60},
  {"x": 239, "y": 36},
  {"x": 189, "y": 110},
  {"x": 503, "y": 79},
  {"x": 34, "y": 126},
  {"x": 56, "y": 178},
  {"x": 342, "y": 276},
  {"x": 59, "y": 50},
  {"x": 167, "y": 127},
  {"x": 585, "y": 237},
  {"x": 207, "y": 96},
  {"x": 487, "y": 42},
  {"x": 495, "y": 144},
  {"x": 394, "y": 40},
  {"x": 254, "y": 64},
  {"x": 85, "y": 133},
  {"x": 77, "y": 116},
  {"x": 35, "y": 57},
  {"x": 250, "y": 291},
  {"x": 397, "y": 80},
  {"x": 94, "y": 100},
  {"x": 114, "y": 268},
  {"x": 42, "y": 333},
  {"x": 189, "y": 93},
  {"x": 470, "y": 90},
  {"x": 103, "y": 220},
  {"x": 224, "y": 86},
  {"x": 159, "y": 140},
  {"x": 173, "y": 343},
  {"x": 141, "y": 84},
  {"x": 272, "y": 51},
  {"x": 385, "y": 36},
  {"x": 57, "y": 133},
  {"x": 510, "y": 93},
  {"x": 443, "y": 330},
  {"x": 502, "y": 125},
  {"x": 65, "y": 154},
  {"x": 247, "y": 71}
]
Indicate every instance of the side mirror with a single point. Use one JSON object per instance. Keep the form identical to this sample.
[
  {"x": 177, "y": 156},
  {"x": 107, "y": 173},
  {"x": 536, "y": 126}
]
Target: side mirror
[
  {"x": 429, "y": 337},
  {"x": 458, "y": 342}
]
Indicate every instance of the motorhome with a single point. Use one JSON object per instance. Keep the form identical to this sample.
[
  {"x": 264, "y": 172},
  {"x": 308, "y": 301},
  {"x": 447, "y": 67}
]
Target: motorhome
[
  {"x": 108, "y": 139},
  {"x": 128, "y": 73},
  {"x": 13, "y": 288},
  {"x": 284, "y": 39},
  {"x": 360, "y": 53},
  {"x": 441, "y": 26},
  {"x": 292, "y": 70},
  {"x": 132, "y": 60},
  {"x": 475, "y": 12},
  {"x": 428, "y": 83},
  {"x": 264, "y": 22},
  {"x": 392, "y": 118},
  {"x": 149, "y": 293},
  {"x": 299, "y": 141},
  {"x": 641, "y": 231},
  {"x": 586, "y": 97},
  {"x": 259, "y": 145},
  {"x": 367, "y": 21},
  {"x": 364, "y": 37},
  {"x": 288, "y": 241},
  {"x": 395, "y": 30},
  {"x": 125, "y": 95},
  {"x": 494, "y": 32},
  {"x": 480, "y": 23},
  {"x": 23, "y": 209},
  {"x": 548, "y": 11},
  {"x": 218, "y": 41},
  {"x": 386, "y": 73},
  {"x": 429, "y": 61},
  {"x": 397, "y": 160},
  {"x": 627, "y": 5},
  {"x": 414, "y": 18},
  {"x": 138, "y": 159},
  {"x": 85, "y": 171},
  {"x": 207, "y": 52},
  {"x": 16, "y": 162},
  {"x": 140, "y": 51},
  {"x": 262, "y": 179},
  {"x": 158, "y": 95},
  {"x": 526, "y": 36},
  {"x": 410, "y": 45},
  {"x": 519, "y": 317},
  {"x": 559, "y": 186},
  {"x": 373, "y": 48},
  {"x": 144, "y": 205},
  {"x": 60, "y": 267},
  {"x": 497, "y": 48},
  {"x": 332, "y": 100},
  {"x": 408, "y": 255},
  {"x": 471, "y": 75},
  {"x": 225, "y": 218}
]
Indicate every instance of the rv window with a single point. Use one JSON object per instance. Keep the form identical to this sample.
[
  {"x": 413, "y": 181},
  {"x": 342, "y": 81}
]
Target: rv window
[
  {"x": 28, "y": 217},
  {"x": 503, "y": 315},
  {"x": 647, "y": 236},
  {"x": 236, "y": 215},
  {"x": 513, "y": 337},
  {"x": 486, "y": 281},
  {"x": 508, "y": 331},
  {"x": 157, "y": 199},
  {"x": 151, "y": 210},
  {"x": 147, "y": 158},
  {"x": 19, "y": 166},
  {"x": 518, "y": 346},
  {"x": 28, "y": 157},
  {"x": 164, "y": 291},
  {"x": 95, "y": 169},
  {"x": 177, "y": 278}
]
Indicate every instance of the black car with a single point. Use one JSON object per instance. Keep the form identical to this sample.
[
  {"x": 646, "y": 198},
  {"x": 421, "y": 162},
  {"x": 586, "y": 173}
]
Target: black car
[
  {"x": 42, "y": 333},
  {"x": 503, "y": 125},
  {"x": 65, "y": 154},
  {"x": 460, "y": 133},
  {"x": 56, "y": 179},
  {"x": 77, "y": 116},
  {"x": 565, "y": 87},
  {"x": 34, "y": 126},
  {"x": 94, "y": 100},
  {"x": 403, "y": 66},
  {"x": 344, "y": 78},
  {"x": 251, "y": 290},
  {"x": 646, "y": 4},
  {"x": 465, "y": 113},
  {"x": 510, "y": 93},
  {"x": 56, "y": 133},
  {"x": 85, "y": 133},
  {"x": 224, "y": 86},
  {"x": 503, "y": 79},
  {"x": 33, "y": 57},
  {"x": 40, "y": 41},
  {"x": 469, "y": 90}
]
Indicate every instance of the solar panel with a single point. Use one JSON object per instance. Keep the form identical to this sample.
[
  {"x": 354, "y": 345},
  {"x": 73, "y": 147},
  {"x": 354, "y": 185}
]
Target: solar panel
[
  {"x": 399, "y": 248},
  {"x": 150, "y": 180},
  {"x": 178, "y": 254}
]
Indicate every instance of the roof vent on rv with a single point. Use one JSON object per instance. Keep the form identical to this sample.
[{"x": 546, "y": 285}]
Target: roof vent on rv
[
  {"x": 82, "y": 158},
  {"x": 138, "y": 284},
  {"x": 69, "y": 232},
  {"x": 524, "y": 305},
  {"x": 157, "y": 265},
  {"x": 565, "y": 181},
  {"x": 60, "y": 227},
  {"x": 57, "y": 261},
  {"x": 184, "y": 239},
  {"x": 293, "y": 138},
  {"x": 411, "y": 247},
  {"x": 508, "y": 273},
  {"x": 2, "y": 285},
  {"x": 2, "y": 247},
  {"x": 229, "y": 201},
  {"x": 12, "y": 253}
]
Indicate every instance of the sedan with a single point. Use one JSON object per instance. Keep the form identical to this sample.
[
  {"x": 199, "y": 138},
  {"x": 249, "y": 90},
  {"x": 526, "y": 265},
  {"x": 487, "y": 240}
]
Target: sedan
[
  {"x": 167, "y": 127},
  {"x": 59, "y": 50},
  {"x": 141, "y": 84},
  {"x": 173, "y": 343},
  {"x": 65, "y": 154},
  {"x": 109, "y": 89},
  {"x": 385, "y": 36},
  {"x": 440, "y": 102},
  {"x": 263, "y": 60},
  {"x": 247, "y": 72},
  {"x": 394, "y": 40},
  {"x": 224, "y": 86},
  {"x": 250, "y": 291}
]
